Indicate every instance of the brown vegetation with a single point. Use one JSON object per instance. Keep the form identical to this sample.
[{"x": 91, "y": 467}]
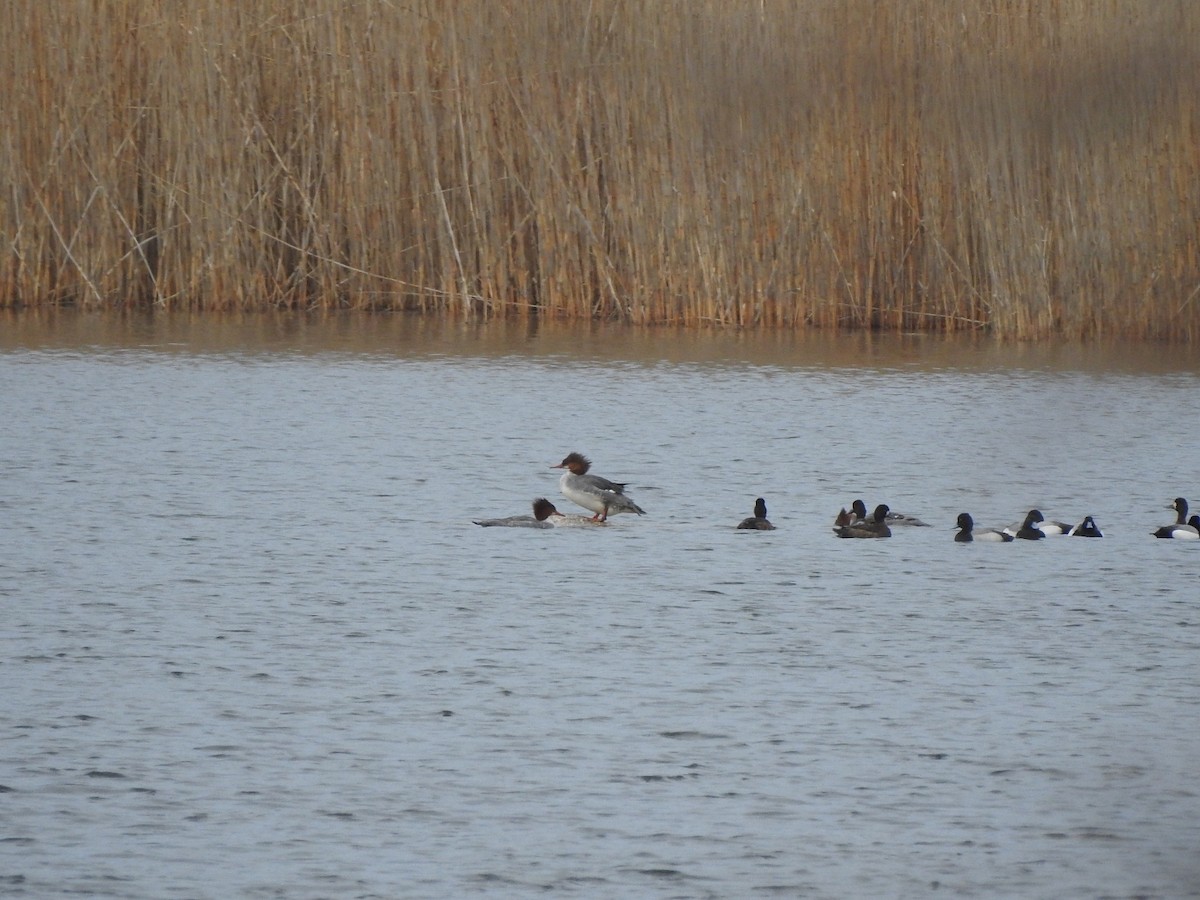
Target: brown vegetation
[{"x": 1030, "y": 167}]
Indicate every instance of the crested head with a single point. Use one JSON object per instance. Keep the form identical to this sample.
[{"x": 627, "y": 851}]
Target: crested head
[
  {"x": 760, "y": 508},
  {"x": 576, "y": 462},
  {"x": 543, "y": 509},
  {"x": 965, "y": 520},
  {"x": 1035, "y": 516}
]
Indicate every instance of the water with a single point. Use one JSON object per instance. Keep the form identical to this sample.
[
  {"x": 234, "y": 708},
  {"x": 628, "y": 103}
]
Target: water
[{"x": 253, "y": 645}]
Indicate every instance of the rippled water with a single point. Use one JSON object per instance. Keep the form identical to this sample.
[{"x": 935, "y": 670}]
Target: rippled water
[{"x": 253, "y": 645}]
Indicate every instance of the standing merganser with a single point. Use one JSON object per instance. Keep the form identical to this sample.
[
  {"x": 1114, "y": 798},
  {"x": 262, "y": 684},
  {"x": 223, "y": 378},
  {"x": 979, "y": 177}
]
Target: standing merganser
[
  {"x": 967, "y": 533},
  {"x": 875, "y": 528},
  {"x": 758, "y": 522},
  {"x": 544, "y": 516},
  {"x": 601, "y": 496}
]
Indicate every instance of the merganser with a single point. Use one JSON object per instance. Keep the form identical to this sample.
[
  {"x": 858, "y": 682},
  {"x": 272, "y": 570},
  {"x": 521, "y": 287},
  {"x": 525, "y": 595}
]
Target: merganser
[
  {"x": 1086, "y": 528},
  {"x": 542, "y": 510},
  {"x": 758, "y": 522},
  {"x": 1187, "y": 532},
  {"x": 967, "y": 533},
  {"x": 858, "y": 510},
  {"x": 601, "y": 496},
  {"x": 875, "y": 528},
  {"x": 545, "y": 515}
]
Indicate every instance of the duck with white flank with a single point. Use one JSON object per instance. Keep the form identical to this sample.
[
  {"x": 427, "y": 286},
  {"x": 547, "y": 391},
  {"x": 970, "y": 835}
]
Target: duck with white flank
[
  {"x": 601, "y": 496},
  {"x": 858, "y": 513},
  {"x": 1181, "y": 509},
  {"x": 1184, "y": 529},
  {"x": 967, "y": 533},
  {"x": 545, "y": 515},
  {"x": 1049, "y": 526},
  {"x": 1028, "y": 530},
  {"x": 758, "y": 521},
  {"x": 876, "y": 527},
  {"x": 1086, "y": 528}
]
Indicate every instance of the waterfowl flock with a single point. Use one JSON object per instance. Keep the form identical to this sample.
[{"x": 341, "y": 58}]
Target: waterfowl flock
[
  {"x": 858, "y": 513},
  {"x": 604, "y": 498},
  {"x": 874, "y": 527}
]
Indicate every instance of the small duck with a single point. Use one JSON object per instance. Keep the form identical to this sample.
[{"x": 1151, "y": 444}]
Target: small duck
[
  {"x": 545, "y": 515},
  {"x": 876, "y": 527},
  {"x": 858, "y": 512},
  {"x": 758, "y": 522},
  {"x": 1189, "y": 531},
  {"x": 967, "y": 534},
  {"x": 601, "y": 496},
  {"x": 1028, "y": 530},
  {"x": 1086, "y": 528}
]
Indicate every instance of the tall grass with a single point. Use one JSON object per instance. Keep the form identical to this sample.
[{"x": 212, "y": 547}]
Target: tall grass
[{"x": 1029, "y": 167}]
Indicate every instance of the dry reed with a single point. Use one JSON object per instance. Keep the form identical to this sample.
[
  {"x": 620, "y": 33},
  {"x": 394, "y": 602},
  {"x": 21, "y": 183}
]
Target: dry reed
[{"x": 1019, "y": 166}]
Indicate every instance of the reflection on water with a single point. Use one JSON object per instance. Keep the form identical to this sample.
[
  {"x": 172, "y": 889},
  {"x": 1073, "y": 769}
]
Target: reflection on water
[
  {"x": 248, "y": 618},
  {"x": 408, "y": 336}
]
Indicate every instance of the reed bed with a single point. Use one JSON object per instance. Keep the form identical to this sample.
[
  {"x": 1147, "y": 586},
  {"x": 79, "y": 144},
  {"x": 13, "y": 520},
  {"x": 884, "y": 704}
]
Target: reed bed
[{"x": 1024, "y": 167}]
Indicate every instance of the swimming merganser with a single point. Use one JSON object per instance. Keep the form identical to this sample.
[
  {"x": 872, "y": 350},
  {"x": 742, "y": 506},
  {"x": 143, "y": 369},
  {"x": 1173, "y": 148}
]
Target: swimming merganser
[
  {"x": 1086, "y": 528},
  {"x": 544, "y": 516},
  {"x": 601, "y": 496},
  {"x": 758, "y": 522},
  {"x": 967, "y": 534},
  {"x": 542, "y": 510},
  {"x": 875, "y": 528}
]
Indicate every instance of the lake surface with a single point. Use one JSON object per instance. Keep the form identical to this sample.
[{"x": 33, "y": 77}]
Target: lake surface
[{"x": 253, "y": 645}]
